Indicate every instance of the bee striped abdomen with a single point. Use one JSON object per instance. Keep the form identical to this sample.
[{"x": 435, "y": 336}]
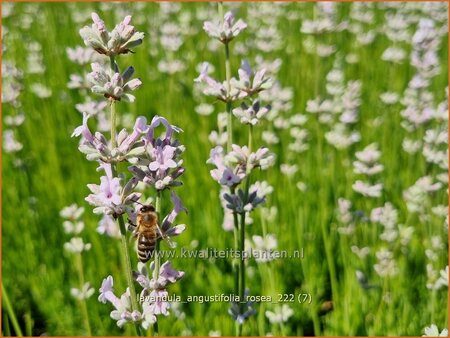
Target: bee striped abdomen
[
  {"x": 145, "y": 246},
  {"x": 146, "y": 234}
]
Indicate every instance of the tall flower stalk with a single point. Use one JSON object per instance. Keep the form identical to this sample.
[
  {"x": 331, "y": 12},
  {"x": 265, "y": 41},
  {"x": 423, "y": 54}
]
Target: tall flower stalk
[
  {"x": 73, "y": 225},
  {"x": 153, "y": 160},
  {"x": 234, "y": 167}
]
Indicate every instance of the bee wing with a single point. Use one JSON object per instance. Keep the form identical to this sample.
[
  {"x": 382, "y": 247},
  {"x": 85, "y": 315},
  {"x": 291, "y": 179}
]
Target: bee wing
[{"x": 169, "y": 242}]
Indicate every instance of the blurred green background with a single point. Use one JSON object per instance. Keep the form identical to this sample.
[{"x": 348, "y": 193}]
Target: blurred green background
[{"x": 50, "y": 173}]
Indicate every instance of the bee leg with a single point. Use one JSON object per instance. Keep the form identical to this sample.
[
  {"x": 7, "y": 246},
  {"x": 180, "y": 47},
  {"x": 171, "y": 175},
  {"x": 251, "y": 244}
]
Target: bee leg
[{"x": 131, "y": 226}]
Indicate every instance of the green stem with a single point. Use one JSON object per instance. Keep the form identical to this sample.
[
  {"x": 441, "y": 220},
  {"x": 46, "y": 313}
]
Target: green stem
[
  {"x": 157, "y": 262},
  {"x": 112, "y": 63},
  {"x": 229, "y": 107},
  {"x": 129, "y": 271},
  {"x": 228, "y": 85},
  {"x": 11, "y": 313},
  {"x": 242, "y": 235},
  {"x": 229, "y": 127},
  {"x": 84, "y": 310},
  {"x": 113, "y": 125},
  {"x": 236, "y": 246},
  {"x": 157, "y": 248},
  {"x": 28, "y": 324},
  {"x": 220, "y": 5},
  {"x": 250, "y": 138},
  {"x": 242, "y": 268},
  {"x": 236, "y": 269},
  {"x": 123, "y": 231}
]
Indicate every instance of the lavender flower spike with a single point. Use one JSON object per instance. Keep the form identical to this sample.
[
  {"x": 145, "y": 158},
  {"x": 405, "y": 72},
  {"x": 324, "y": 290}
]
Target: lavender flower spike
[
  {"x": 225, "y": 31},
  {"x": 110, "y": 197},
  {"x": 119, "y": 41},
  {"x": 117, "y": 86},
  {"x": 160, "y": 165},
  {"x": 246, "y": 85},
  {"x": 251, "y": 114}
]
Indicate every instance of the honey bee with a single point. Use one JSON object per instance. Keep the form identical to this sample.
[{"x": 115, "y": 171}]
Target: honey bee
[{"x": 147, "y": 232}]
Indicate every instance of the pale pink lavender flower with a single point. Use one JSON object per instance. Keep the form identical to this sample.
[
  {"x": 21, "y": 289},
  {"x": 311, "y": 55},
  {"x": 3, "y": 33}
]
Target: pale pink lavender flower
[
  {"x": 386, "y": 215},
  {"x": 389, "y": 98},
  {"x": 280, "y": 315},
  {"x": 171, "y": 66},
  {"x": 159, "y": 304},
  {"x": 41, "y": 90},
  {"x": 262, "y": 188},
  {"x": 119, "y": 41},
  {"x": 78, "y": 82},
  {"x": 367, "y": 161},
  {"x": 367, "y": 189},
  {"x": 345, "y": 217},
  {"x": 341, "y": 137},
  {"x": 85, "y": 292},
  {"x": 246, "y": 161},
  {"x": 154, "y": 289},
  {"x": 82, "y": 56},
  {"x": 10, "y": 92},
  {"x": 417, "y": 195},
  {"x": 122, "y": 313},
  {"x": 325, "y": 20},
  {"x": 160, "y": 164},
  {"x": 92, "y": 108},
  {"x": 226, "y": 30},
  {"x": 251, "y": 83},
  {"x": 251, "y": 114},
  {"x": 288, "y": 169},
  {"x": 110, "y": 198},
  {"x": 224, "y": 174},
  {"x": 411, "y": 146},
  {"x": 96, "y": 147},
  {"x": 116, "y": 87},
  {"x": 167, "y": 225},
  {"x": 72, "y": 214},
  {"x": 394, "y": 54},
  {"x": 76, "y": 245},
  {"x": 73, "y": 227},
  {"x": 360, "y": 252},
  {"x": 14, "y": 120},
  {"x": 10, "y": 143},
  {"x": 261, "y": 248},
  {"x": 386, "y": 265},
  {"x": 108, "y": 226},
  {"x": 204, "y": 109},
  {"x": 167, "y": 275},
  {"x": 219, "y": 90},
  {"x": 443, "y": 278},
  {"x": 270, "y": 137},
  {"x": 299, "y": 144}
]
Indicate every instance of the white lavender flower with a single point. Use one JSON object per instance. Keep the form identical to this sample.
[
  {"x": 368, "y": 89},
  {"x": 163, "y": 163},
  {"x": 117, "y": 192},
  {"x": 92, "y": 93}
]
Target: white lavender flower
[
  {"x": 433, "y": 331},
  {"x": 262, "y": 248},
  {"x": 367, "y": 189},
  {"x": 367, "y": 161},
  {"x": 386, "y": 265},
  {"x": 281, "y": 314},
  {"x": 76, "y": 245},
  {"x": 84, "y": 293}
]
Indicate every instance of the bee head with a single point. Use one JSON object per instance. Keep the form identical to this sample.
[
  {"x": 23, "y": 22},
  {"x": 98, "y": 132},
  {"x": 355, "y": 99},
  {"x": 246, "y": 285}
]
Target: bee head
[{"x": 147, "y": 208}]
